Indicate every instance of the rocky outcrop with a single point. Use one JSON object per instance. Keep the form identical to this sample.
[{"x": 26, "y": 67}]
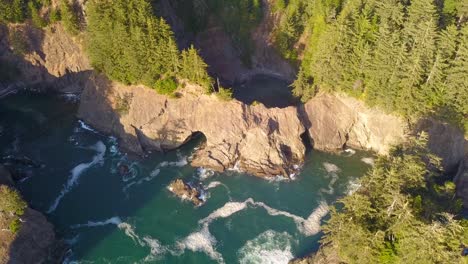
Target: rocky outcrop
[
  {"x": 260, "y": 141},
  {"x": 336, "y": 121},
  {"x": 51, "y": 56},
  {"x": 35, "y": 242},
  {"x": 185, "y": 192}
]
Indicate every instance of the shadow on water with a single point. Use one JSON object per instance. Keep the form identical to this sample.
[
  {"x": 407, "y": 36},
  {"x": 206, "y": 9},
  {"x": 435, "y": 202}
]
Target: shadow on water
[
  {"x": 268, "y": 90},
  {"x": 43, "y": 128}
]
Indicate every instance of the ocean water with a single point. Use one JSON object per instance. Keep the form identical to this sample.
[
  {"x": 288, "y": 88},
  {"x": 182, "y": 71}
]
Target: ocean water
[{"x": 72, "y": 176}]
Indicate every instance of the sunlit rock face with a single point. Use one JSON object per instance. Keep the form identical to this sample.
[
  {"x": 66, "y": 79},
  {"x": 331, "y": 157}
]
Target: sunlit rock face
[
  {"x": 259, "y": 140},
  {"x": 336, "y": 121}
]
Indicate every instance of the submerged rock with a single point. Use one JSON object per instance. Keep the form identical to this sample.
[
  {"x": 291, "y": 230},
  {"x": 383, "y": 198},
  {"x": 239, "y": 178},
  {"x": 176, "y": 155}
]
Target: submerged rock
[{"x": 186, "y": 192}]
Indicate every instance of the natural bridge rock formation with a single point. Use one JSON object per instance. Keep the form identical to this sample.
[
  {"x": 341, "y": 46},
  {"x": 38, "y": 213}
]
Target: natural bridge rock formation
[{"x": 261, "y": 141}]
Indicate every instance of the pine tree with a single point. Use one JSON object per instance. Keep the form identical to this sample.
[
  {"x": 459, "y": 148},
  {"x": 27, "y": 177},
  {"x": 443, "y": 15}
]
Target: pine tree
[
  {"x": 385, "y": 69},
  {"x": 420, "y": 36},
  {"x": 69, "y": 18}
]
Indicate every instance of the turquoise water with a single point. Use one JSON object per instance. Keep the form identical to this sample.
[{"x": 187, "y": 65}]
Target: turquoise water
[{"x": 107, "y": 217}]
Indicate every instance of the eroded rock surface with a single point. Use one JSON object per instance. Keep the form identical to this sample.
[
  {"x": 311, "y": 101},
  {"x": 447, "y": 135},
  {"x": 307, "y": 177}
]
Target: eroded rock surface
[
  {"x": 51, "y": 56},
  {"x": 185, "y": 192},
  {"x": 261, "y": 141},
  {"x": 335, "y": 121}
]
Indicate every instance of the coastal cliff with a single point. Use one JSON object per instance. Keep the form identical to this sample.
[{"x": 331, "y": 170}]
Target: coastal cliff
[
  {"x": 34, "y": 242},
  {"x": 261, "y": 141}
]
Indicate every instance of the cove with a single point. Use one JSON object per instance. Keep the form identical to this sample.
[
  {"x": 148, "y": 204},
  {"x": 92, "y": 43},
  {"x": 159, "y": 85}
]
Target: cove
[
  {"x": 109, "y": 217},
  {"x": 268, "y": 90}
]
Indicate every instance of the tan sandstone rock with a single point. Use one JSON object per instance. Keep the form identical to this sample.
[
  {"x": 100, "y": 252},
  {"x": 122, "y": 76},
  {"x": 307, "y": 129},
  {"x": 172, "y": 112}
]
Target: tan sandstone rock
[
  {"x": 185, "y": 191},
  {"x": 261, "y": 141},
  {"x": 335, "y": 121}
]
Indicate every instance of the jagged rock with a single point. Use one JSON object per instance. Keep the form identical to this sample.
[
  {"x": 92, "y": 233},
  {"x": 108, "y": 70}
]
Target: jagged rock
[
  {"x": 335, "y": 121},
  {"x": 261, "y": 141},
  {"x": 53, "y": 58},
  {"x": 185, "y": 191}
]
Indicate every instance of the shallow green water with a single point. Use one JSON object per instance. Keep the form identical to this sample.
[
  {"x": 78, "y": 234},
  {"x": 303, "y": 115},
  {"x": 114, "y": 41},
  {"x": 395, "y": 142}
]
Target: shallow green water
[{"x": 109, "y": 218}]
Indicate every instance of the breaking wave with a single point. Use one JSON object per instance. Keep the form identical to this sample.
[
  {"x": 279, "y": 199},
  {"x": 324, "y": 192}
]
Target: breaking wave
[
  {"x": 76, "y": 173},
  {"x": 269, "y": 247},
  {"x": 204, "y": 173}
]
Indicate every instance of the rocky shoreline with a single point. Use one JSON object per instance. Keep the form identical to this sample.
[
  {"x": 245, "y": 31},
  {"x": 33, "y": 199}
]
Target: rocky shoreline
[{"x": 34, "y": 242}]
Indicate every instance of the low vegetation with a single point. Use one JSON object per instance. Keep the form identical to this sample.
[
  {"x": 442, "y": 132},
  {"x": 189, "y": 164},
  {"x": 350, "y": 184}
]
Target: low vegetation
[
  {"x": 12, "y": 207},
  {"x": 224, "y": 94},
  {"x": 404, "y": 212}
]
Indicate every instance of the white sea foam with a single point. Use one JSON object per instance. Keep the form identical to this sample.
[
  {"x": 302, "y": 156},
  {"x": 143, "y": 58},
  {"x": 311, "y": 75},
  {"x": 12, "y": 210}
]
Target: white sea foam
[
  {"x": 76, "y": 173},
  {"x": 236, "y": 167},
  {"x": 181, "y": 162},
  {"x": 269, "y": 247},
  {"x": 368, "y": 160},
  {"x": 154, "y": 245},
  {"x": 111, "y": 221},
  {"x": 227, "y": 210},
  {"x": 204, "y": 173},
  {"x": 330, "y": 190},
  {"x": 202, "y": 241},
  {"x": 85, "y": 126},
  {"x": 70, "y": 97},
  {"x": 156, "y": 249},
  {"x": 350, "y": 151},
  {"x": 308, "y": 227},
  {"x": 331, "y": 168},
  {"x": 213, "y": 184}
]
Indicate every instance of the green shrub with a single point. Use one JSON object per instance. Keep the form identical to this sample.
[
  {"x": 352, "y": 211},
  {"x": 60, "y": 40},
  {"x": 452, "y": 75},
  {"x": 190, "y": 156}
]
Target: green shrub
[
  {"x": 15, "y": 225},
  {"x": 12, "y": 11},
  {"x": 54, "y": 16},
  {"x": 36, "y": 18},
  {"x": 166, "y": 86},
  {"x": 11, "y": 201},
  {"x": 224, "y": 94}
]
